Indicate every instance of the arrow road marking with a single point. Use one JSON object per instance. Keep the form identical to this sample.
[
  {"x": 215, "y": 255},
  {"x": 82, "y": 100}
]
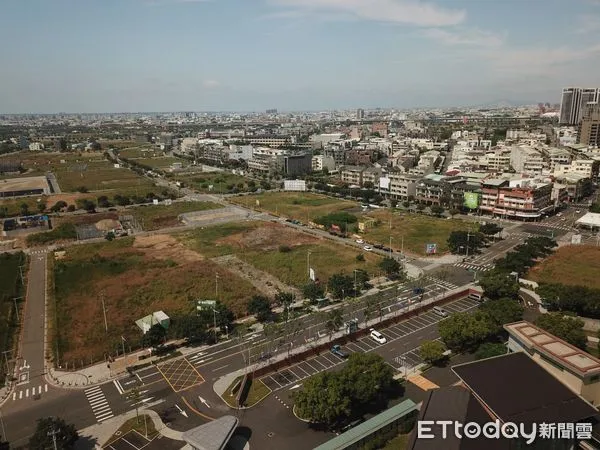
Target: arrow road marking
[
  {"x": 204, "y": 401},
  {"x": 181, "y": 410}
]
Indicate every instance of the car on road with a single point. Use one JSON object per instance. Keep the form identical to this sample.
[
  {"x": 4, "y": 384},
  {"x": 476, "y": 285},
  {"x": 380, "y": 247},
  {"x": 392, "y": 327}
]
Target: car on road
[
  {"x": 378, "y": 246},
  {"x": 418, "y": 290},
  {"x": 337, "y": 350},
  {"x": 558, "y": 214},
  {"x": 367, "y": 248},
  {"x": 377, "y": 336},
  {"x": 578, "y": 211},
  {"x": 360, "y": 241}
]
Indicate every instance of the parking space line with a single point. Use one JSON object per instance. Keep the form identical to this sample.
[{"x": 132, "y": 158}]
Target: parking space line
[
  {"x": 294, "y": 373},
  {"x": 317, "y": 361},
  {"x": 300, "y": 367},
  {"x": 334, "y": 362},
  {"x": 281, "y": 374},
  {"x": 361, "y": 347},
  {"x": 273, "y": 379},
  {"x": 311, "y": 366},
  {"x": 392, "y": 332}
]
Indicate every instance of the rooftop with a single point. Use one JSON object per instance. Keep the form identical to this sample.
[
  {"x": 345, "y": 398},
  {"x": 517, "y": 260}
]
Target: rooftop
[
  {"x": 212, "y": 435},
  {"x": 589, "y": 219},
  {"x": 515, "y": 388}
]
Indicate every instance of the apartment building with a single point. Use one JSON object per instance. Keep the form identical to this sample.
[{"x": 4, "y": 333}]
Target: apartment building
[
  {"x": 433, "y": 190},
  {"x": 586, "y": 167},
  {"x": 320, "y": 162},
  {"x": 589, "y": 128},
  {"x": 337, "y": 152},
  {"x": 262, "y": 164},
  {"x": 573, "y": 102},
  {"x": 526, "y": 160},
  {"x": 497, "y": 160},
  {"x": 575, "y": 186},
  {"x": 371, "y": 175},
  {"x": 557, "y": 157},
  {"x": 380, "y": 128},
  {"x": 398, "y": 185},
  {"x": 519, "y": 199},
  {"x": 352, "y": 175},
  {"x": 272, "y": 141},
  {"x": 360, "y": 156}
]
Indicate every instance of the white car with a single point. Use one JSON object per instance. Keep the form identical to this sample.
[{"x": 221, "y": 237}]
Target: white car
[
  {"x": 377, "y": 336},
  {"x": 367, "y": 248},
  {"x": 360, "y": 241},
  {"x": 578, "y": 212}
]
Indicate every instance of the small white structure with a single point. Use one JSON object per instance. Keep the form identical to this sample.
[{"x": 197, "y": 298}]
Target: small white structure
[
  {"x": 294, "y": 185},
  {"x": 589, "y": 220}
]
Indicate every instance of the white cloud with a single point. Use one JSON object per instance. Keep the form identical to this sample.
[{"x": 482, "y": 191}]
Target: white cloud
[
  {"x": 412, "y": 12},
  {"x": 466, "y": 37},
  {"x": 211, "y": 84},
  {"x": 588, "y": 23}
]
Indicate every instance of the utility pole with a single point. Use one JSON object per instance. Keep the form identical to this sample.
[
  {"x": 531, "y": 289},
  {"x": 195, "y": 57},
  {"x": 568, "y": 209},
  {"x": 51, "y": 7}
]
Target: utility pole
[
  {"x": 53, "y": 433},
  {"x": 216, "y": 286},
  {"x": 21, "y": 272},
  {"x": 308, "y": 263},
  {"x": 468, "y": 237},
  {"x": 104, "y": 311},
  {"x": 390, "y": 246},
  {"x": 402, "y": 247},
  {"x": 123, "y": 343},
  {"x": 16, "y": 307}
]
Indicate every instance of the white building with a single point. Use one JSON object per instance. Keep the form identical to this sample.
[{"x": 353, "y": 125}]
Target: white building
[
  {"x": 319, "y": 162},
  {"x": 579, "y": 166},
  {"x": 526, "y": 160},
  {"x": 497, "y": 160},
  {"x": 36, "y": 146}
]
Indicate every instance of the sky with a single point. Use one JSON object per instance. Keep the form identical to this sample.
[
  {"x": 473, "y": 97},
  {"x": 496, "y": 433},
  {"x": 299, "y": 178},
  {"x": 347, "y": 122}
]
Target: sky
[{"x": 293, "y": 55}]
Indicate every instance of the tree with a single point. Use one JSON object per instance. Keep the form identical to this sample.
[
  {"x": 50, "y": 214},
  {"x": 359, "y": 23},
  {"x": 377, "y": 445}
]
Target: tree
[
  {"x": 490, "y": 229},
  {"x": 490, "y": 349},
  {"x": 360, "y": 257},
  {"x": 432, "y": 351},
  {"x": 323, "y": 398},
  {"x": 498, "y": 285},
  {"x": 41, "y": 207},
  {"x": 313, "y": 291},
  {"x": 334, "y": 322},
  {"x": 464, "y": 331},
  {"x": 390, "y": 266},
  {"x": 368, "y": 375},
  {"x": 460, "y": 241},
  {"x": 393, "y": 203},
  {"x": 406, "y": 203},
  {"x": 155, "y": 336},
  {"x": 58, "y": 206},
  {"x": 420, "y": 207},
  {"x": 340, "y": 285},
  {"x": 260, "y": 307},
  {"x": 110, "y": 236},
  {"x": 24, "y": 209},
  {"x": 437, "y": 210},
  {"x": 368, "y": 185},
  {"x": 362, "y": 280},
  {"x": 285, "y": 299},
  {"x": 189, "y": 326},
  {"x": 567, "y": 328},
  {"x": 65, "y": 434},
  {"x": 86, "y": 204},
  {"x": 502, "y": 311},
  {"x": 103, "y": 202}
]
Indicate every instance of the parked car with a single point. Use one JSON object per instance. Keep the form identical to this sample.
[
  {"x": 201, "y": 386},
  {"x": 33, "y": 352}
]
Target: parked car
[
  {"x": 377, "y": 336},
  {"x": 378, "y": 246},
  {"x": 418, "y": 290},
  {"x": 578, "y": 211},
  {"x": 360, "y": 241},
  {"x": 337, "y": 350},
  {"x": 367, "y": 248}
]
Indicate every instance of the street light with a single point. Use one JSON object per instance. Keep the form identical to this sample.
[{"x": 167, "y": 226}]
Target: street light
[{"x": 308, "y": 262}]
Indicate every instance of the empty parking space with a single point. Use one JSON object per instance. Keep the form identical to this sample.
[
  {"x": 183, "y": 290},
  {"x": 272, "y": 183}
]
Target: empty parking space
[
  {"x": 408, "y": 359},
  {"x": 131, "y": 440},
  {"x": 180, "y": 374}
]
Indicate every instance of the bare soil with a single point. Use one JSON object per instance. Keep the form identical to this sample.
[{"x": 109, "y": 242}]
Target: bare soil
[
  {"x": 164, "y": 246},
  {"x": 270, "y": 236}
]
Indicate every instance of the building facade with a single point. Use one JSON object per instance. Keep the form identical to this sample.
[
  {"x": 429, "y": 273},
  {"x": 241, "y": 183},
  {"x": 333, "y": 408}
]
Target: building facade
[
  {"x": 521, "y": 200},
  {"x": 573, "y": 102},
  {"x": 589, "y": 128}
]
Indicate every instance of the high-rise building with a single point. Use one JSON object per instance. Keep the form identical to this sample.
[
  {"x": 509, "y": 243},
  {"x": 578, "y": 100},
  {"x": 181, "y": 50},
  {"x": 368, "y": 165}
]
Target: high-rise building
[
  {"x": 573, "y": 102},
  {"x": 589, "y": 128},
  {"x": 360, "y": 113}
]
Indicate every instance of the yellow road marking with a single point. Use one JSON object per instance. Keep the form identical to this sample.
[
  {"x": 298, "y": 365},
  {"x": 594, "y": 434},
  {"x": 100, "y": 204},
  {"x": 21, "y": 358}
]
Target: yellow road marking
[{"x": 195, "y": 410}]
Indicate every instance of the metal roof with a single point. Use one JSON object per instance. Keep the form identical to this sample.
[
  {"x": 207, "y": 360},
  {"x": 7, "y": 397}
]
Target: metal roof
[
  {"x": 212, "y": 435},
  {"x": 369, "y": 427}
]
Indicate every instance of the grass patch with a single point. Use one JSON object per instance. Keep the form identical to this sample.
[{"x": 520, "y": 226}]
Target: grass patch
[
  {"x": 135, "y": 424},
  {"x": 574, "y": 265},
  {"x": 153, "y": 217},
  {"x": 10, "y": 287},
  {"x": 302, "y": 206},
  {"x": 259, "y": 244},
  {"x": 417, "y": 230},
  {"x": 400, "y": 442},
  {"x": 134, "y": 276},
  {"x": 162, "y": 162},
  {"x": 222, "y": 182},
  {"x": 256, "y": 392},
  {"x": 63, "y": 232}
]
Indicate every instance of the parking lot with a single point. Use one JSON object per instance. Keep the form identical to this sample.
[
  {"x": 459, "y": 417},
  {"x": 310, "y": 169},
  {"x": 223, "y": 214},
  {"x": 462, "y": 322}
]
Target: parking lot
[
  {"x": 180, "y": 374},
  {"x": 132, "y": 440},
  {"x": 393, "y": 351}
]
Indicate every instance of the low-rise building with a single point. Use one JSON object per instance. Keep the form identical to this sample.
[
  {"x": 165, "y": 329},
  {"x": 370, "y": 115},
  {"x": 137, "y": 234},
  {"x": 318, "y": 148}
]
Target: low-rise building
[
  {"x": 320, "y": 162},
  {"x": 519, "y": 199},
  {"x": 352, "y": 175},
  {"x": 526, "y": 160},
  {"x": 497, "y": 160}
]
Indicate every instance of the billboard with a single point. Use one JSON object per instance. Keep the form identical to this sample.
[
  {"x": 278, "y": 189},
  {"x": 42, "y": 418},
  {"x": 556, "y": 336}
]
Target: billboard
[
  {"x": 294, "y": 185},
  {"x": 471, "y": 200},
  {"x": 431, "y": 249},
  {"x": 313, "y": 276},
  {"x": 205, "y": 305}
]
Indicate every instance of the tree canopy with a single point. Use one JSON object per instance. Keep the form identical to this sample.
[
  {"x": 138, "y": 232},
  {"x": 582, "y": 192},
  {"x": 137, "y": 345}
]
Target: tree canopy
[
  {"x": 340, "y": 285},
  {"x": 390, "y": 266},
  {"x": 465, "y": 331},
  {"x": 567, "y": 328},
  {"x": 65, "y": 434},
  {"x": 432, "y": 351},
  {"x": 498, "y": 284},
  {"x": 501, "y": 312},
  {"x": 460, "y": 241},
  {"x": 260, "y": 307},
  {"x": 313, "y": 291}
]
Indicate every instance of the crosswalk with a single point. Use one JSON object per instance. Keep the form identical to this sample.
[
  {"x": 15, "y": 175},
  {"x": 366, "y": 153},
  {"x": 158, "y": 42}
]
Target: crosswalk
[
  {"x": 443, "y": 283},
  {"x": 33, "y": 392},
  {"x": 99, "y": 404},
  {"x": 477, "y": 267}
]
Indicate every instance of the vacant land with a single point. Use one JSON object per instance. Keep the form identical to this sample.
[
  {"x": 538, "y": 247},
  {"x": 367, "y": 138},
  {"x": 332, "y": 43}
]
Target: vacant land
[
  {"x": 134, "y": 277},
  {"x": 417, "y": 230},
  {"x": 302, "y": 206},
  {"x": 163, "y": 162},
  {"x": 577, "y": 265},
  {"x": 10, "y": 288},
  {"x": 279, "y": 250},
  {"x": 86, "y": 169},
  {"x": 221, "y": 182},
  {"x": 154, "y": 217}
]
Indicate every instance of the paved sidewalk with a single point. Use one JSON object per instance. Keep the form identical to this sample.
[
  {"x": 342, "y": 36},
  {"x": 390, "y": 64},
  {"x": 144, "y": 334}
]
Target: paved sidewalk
[{"x": 101, "y": 432}]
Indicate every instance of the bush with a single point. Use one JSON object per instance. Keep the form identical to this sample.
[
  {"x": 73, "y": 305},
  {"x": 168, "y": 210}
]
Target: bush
[
  {"x": 82, "y": 189},
  {"x": 62, "y": 232},
  {"x": 360, "y": 257},
  {"x": 284, "y": 249}
]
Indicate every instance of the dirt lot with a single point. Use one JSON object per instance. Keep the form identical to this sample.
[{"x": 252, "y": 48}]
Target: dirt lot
[
  {"x": 134, "y": 277},
  {"x": 269, "y": 236},
  {"x": 577, "y": 265}
]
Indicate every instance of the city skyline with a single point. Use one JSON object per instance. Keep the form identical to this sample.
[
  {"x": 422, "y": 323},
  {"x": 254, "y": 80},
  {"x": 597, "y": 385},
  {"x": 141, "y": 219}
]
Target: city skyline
[{"x": 293, "y": 55}]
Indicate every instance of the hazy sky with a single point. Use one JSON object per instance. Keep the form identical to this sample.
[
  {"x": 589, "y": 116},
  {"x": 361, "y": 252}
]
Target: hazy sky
[{"x": 209, "y": 55}]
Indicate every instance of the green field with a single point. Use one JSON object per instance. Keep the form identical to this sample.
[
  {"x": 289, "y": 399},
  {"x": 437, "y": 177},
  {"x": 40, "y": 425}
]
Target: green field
[
  {"x": 259, "y": 245},
  {"x": 140, "y": 152},
  {"x": 162, "y": 162},
  {"x": 134, "y": 277},
  {"x": 10, "y": 287},
  {"x": 417, "y": 230},
  {"x": 296, "y": 205},
  {"x": 154, "y": 217}
]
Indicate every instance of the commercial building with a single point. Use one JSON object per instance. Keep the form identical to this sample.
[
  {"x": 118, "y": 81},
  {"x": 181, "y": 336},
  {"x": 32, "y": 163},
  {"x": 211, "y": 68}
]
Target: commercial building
[
  {"x": 576, "y": 369},
  {"x": 497, "y": 160},
  {"x": 352, "y": 175},
  {"x": 589, "y": 128},
  {"x": 294, "y": 165},
  {"x": 433, "y": 190},
  {"x": 519, "y": 199},
  {"x": 573, "y": 102},
  {"x": 398, "y": 185},
  {"x": 360, "y": 113}
]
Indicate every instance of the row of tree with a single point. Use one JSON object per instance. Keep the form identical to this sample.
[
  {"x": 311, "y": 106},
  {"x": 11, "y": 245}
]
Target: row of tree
[{"x": 582, "y": 300}]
